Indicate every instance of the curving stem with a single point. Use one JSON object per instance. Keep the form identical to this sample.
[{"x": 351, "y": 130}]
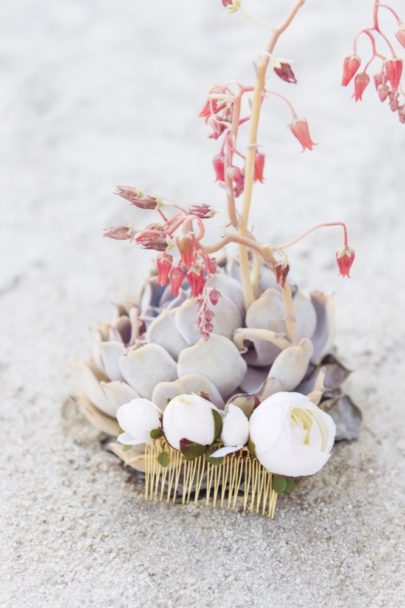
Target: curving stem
[{"x": 251, "y": 150}]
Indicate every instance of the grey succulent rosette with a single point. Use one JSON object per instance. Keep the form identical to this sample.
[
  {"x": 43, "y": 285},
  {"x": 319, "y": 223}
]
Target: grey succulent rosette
[{"x": 153, "y": 349}]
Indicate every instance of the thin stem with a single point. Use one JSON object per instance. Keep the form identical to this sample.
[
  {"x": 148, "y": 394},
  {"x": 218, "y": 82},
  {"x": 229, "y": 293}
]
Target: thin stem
[
  {"x": 251, "y": 150},
  {"x": 317, "y": 227},
  {"x": 391, "y": 10},
  {"x": 289, "y": 104},
  {"x": 255, "y": 19}
]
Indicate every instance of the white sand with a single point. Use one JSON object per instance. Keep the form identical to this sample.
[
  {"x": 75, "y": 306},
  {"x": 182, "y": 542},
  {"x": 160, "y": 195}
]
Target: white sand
[{"x": 96, "y": 93}]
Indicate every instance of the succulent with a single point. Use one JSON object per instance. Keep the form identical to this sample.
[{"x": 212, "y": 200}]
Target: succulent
[{"x": 152, "y": 349}]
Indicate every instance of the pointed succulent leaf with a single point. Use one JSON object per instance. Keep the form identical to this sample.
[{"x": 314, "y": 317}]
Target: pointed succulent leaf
[
  {"x": 325, "y": 324},
  {"x": 190, "y": 383},
  {"x": 346, "y": 415},
  {"x": 163, "y": 331}
]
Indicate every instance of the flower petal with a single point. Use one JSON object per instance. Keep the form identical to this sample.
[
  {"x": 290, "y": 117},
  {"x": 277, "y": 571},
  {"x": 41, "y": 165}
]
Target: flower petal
[{"x": 221, "y": 452}]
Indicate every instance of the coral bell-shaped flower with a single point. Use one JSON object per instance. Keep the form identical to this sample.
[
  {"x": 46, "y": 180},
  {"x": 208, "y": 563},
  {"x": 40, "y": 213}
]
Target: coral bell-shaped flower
[
  {"x": 214, "y": 296},
  {"x": 360, "y": 84},
  {"x": 210, "y": 107},
  {"x": 164, "y": 265},
  {"x": 350, "y": 66},
  {"x": 136, "y": 197},
  {"x": 260, "y": 160},
  {"x": 197, "y": 281},
  {"x": 299, "y": 128},
  {"x": 285, "y": 72},
  {"x": 219, "y": 167},
  {"x": 282, "y": 271},
  {"x": 393, "y": 69},
  {"x": 401, "y": 114},
  {"x": 177, "y": 277},
  {"x": 400, "y": 34},
  {"x": 120, "y": 233},
  {"x": 345, "y": 259},
  {"x": 217, "y": 127},
  {"x": 186, "y": 244}
]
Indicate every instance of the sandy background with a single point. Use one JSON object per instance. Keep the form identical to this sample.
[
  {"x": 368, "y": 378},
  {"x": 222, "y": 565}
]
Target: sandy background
[{"x": 95, "y": 93}]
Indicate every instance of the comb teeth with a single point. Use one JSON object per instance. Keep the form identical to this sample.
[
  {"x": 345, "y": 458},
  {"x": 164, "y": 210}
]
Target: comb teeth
[{"x": 239, "y": 481}]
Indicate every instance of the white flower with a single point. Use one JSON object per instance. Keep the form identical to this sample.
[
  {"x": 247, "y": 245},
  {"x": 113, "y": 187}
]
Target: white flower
[
  {"x": 292, "y": 436},
  {"x": 137, "y": 419},
  {"x": 189, "y": 417},
  {"x": 235, "y": 431}
]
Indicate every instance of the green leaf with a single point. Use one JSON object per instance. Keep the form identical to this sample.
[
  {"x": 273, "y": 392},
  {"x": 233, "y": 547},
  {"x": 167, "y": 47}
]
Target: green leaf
[
  {"x": 279, "y": 484},
  {"x": 215, "y": 461},
  {"x": 156, "y": 433},
  {"x": 251, "y": 447},
  {"x": 163, "y": 459},
  {"x": 191, "y": 450},
  {"x": 217, "y": 424},
  {"x": 290, "y": 486},
  {"x": 126, "y": 448}
]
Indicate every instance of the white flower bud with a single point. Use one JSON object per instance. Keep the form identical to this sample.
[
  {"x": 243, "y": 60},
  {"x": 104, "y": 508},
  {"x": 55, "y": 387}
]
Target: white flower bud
[
  {"x": 235, "y": 429},
  {"x": 292, "y": 436},
  {"x": 137, "y": 419},
  {"x": 189, "y": 417}
]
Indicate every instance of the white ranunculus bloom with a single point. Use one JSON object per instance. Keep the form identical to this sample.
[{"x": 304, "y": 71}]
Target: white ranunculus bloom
[
  {"x": 137, "y": 419},
  {"x": 189, "y": 417},
  {"x": 235, "y": 431},
  {"x": 292, "y": 436}
]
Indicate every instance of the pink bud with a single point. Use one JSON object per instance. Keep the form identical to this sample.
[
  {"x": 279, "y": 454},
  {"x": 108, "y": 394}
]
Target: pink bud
[
  {"x": 151, "y": 239},
  {"x": 210, "y": 265},
  {"x": 401, "y": 114},
  {"x": 400, "y": 34},
  {"x": 164, "y": 265},
  {"x": 282, "y": 271},
  {"x": 394, "y": 101},
  {"x": 300, "y": 129},
  {"x": 260, "y": 160},
  {"x": 214, "y": 296},
  {"x": 383, "y": 92},
  {"x": 135, "y": 197},
  {"x": 238, "y": 178},
  {"x": 285, "y": 72},
  {"x": 210, "y": 107},
  {"x": 121, "y": 233},
  {"x": 393, "y": 70},
  {"x": 203, "y": 211},
  {"x": 360, "y": 83},
  {"x": 197, "y": 281},
  {"x": 219, "y": 167},
  {"x": 186, "y": 245},
  {"x": 217, "y": 127},
  {"x": 177, "y": 277},
  {"x": 350, "y": 66},
  {"x": 345, "y": 259}
]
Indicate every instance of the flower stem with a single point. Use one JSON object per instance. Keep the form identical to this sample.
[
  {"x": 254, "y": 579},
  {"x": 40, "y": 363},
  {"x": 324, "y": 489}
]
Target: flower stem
[{"x": 251, "y": 150}]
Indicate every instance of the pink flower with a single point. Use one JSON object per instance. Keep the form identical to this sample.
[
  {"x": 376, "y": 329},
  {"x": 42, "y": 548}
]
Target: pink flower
[
  {"x": 217, "y": 127},
  {"x": 210, "y": 265},
  {"x": 197, "y": 281},
  {"x": 401, "y": 114},
  {"x": 135, "y": 197},
  {"x": 345, "y": 259},
  {"x": 164, "y": 265},
  {"x": 210, "y": 108},
  {"x": 299, "y": 128},
  {"x": 285, "y": 72},
  {"x": 393, "y": 70},
  {"x": 394, "y": 101},
  {"x": 350, "y": 66},
  {"x": 120, "y": 233},
  {"x": 177, "y": 277},
  {"x": 360, "y": 83},
  {"x": 400, "y": 34},
  {"x": 219, "y": 167},
  {"x": 260, "y": 160}
]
